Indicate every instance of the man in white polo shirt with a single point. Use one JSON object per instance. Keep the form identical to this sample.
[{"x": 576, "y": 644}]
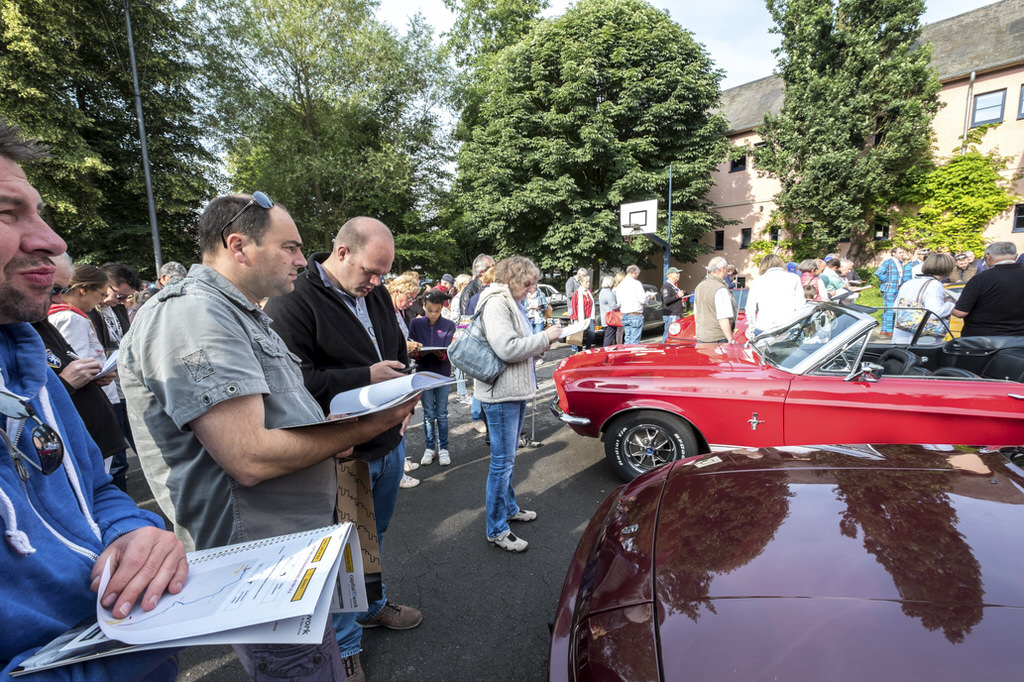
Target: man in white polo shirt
[{"x": 631, "y": 297}]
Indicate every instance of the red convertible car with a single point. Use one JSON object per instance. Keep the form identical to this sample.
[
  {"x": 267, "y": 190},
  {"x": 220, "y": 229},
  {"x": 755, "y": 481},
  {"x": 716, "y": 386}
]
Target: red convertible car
[
  {"x": 820, "y": 379},
  {"x": 884, "y": 563}
]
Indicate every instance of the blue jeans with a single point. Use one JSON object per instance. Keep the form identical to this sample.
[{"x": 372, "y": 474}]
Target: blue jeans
[
  {"x": 538, "y": 327},
  {"x": 435, "y": 409},
  {"x": 505, "y": 423},
  {"x": 669, "y": 319},
  {"x": 634, "y": 326},
  {"x": 476, "y": 410},
  {"x": 385, "y": 475}
]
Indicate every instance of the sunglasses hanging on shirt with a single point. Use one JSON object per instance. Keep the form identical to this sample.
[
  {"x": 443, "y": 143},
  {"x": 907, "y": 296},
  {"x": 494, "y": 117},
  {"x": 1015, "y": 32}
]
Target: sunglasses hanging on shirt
[{"x": 48, "y": 445}]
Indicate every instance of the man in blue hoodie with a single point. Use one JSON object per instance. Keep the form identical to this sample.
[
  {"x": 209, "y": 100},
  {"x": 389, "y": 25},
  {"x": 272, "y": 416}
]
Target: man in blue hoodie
[{"x": 62, "y": 525}]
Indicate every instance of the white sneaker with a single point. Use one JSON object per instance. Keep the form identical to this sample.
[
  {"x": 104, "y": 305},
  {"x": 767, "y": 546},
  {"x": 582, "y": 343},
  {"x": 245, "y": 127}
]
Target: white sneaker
[
  {"x": 523, "y": 515},
  {"x": 408, "y": 481},
  {"x": 479, "y": 426},
  {"x": 428, "y": 457},
  {"x": 410, "y": 465},
  {"x": 442, "y": 457},
  {"x": 509, "y": 542}
]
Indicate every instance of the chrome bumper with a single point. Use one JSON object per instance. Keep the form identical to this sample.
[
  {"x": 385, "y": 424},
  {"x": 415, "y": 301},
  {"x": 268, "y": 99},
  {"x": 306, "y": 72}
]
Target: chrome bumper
[{"x": 565, "y": 418}]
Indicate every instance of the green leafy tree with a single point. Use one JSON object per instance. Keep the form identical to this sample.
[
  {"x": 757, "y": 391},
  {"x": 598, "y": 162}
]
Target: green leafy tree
[
  {"x": 854, "y": 132},
  {"x": 956, "y": 201},
  {"x": 485, "y": 27},
  {"x": 587, "y": 112},
  {"x": 65, "y": 78},
  {"x": 482, "y": 29},
  {"x": 337, "y": 117}
]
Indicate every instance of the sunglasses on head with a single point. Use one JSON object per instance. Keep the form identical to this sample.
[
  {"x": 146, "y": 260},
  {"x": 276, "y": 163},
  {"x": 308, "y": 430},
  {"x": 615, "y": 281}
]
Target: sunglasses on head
[
  {"x": 48, "y": 445},
  {"x": 258, "y": 198},
  {"x": 59, "y": 290}
]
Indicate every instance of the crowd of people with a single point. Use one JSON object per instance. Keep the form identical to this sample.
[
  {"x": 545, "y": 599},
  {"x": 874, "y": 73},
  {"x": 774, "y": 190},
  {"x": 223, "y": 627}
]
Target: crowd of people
[
  {"x": 224, "y": 377},
  {"x": 991, "y": 300}
]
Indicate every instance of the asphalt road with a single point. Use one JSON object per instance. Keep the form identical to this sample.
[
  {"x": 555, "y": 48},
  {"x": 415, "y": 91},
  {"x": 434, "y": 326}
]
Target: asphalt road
[{"x": 485, "y": 611}]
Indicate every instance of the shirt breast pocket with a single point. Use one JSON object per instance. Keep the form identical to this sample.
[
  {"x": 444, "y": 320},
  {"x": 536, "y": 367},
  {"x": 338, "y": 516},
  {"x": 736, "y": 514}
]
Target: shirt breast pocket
[{"x": 280, "y": 365}]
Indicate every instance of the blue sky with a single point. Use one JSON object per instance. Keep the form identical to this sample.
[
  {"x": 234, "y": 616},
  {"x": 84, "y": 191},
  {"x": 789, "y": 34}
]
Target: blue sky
[{"x": 735, "y": 32}]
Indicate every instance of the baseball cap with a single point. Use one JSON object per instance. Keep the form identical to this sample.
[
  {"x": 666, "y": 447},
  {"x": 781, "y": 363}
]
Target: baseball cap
[
  {"x": 448, "y": 278},
  {"x": 673, "y": 270}
]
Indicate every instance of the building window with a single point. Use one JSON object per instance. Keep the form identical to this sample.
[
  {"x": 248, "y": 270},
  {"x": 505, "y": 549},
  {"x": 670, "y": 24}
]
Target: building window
[
  {"x": 757, "y": 146},
  {"x": 1018, "y": 218},
  {"x": 774, "y": 235},
  {"x": 736, "y": 165},
  {"x": 1020, "y": 108},
  {"x": 988, "y": 108},
  {"x": 741, "y": 282},
  {"x": 881, "y": 230},
  {"x": 719, "y": 240},
  {"x": 745, "y": 235}
]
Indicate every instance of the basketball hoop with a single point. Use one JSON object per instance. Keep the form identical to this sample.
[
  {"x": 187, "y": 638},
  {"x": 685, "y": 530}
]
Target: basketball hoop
[
  {"x": 637, "y": 219},
  {"x": 631, "y": 232}
]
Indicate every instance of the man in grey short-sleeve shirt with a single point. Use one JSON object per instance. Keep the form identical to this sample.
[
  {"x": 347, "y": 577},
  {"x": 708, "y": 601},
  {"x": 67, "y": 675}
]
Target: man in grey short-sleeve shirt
[{"x": 210, "y": 387}]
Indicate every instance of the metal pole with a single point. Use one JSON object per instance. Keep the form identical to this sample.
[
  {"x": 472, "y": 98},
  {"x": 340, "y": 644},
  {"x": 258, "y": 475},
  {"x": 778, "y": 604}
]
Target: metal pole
[
  {"x": 668, "y": 245},
  {"x": 967, "y": 112},
  {"x": 142, "y": 140}
]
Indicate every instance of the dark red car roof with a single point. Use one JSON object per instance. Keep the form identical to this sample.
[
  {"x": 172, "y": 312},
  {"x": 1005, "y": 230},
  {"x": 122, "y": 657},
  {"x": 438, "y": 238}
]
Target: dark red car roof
[
  {"x": 875, "y": 569},
  {"x": 891, "y": 563}
]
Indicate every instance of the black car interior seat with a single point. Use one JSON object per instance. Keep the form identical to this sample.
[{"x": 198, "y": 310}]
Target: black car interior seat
[
  {"x": 900, "y": 361},
  {"x": 1006, "y": 364}
]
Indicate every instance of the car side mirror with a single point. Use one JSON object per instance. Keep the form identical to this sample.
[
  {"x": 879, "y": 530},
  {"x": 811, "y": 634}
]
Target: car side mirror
[{"x": 869, "y": 372}]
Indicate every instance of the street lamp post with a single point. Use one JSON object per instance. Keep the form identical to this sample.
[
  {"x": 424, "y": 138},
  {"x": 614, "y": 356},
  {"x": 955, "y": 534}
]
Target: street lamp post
[{"x": 142, "y": 140}]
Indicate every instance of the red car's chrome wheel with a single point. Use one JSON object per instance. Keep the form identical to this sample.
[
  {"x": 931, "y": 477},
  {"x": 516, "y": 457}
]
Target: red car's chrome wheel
[{"x": 639, "y": 441}]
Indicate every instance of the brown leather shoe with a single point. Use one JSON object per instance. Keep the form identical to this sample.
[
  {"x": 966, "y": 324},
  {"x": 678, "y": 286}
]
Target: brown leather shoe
[
  {"x": 353, "y": 669},
  {"x": 395, "y": 617}
]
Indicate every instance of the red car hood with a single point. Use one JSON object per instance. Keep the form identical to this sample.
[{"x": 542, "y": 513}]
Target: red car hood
[{"x": 807, "y": 563}]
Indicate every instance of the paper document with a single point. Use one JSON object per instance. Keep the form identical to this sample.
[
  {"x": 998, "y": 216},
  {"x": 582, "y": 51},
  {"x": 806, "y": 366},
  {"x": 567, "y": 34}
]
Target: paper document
[
  {"x": 276, "y": 590},
  {"x": 109, "y": 366},
  {"x": 573, "y": 328},
  {"x": 376, "y": 397}
]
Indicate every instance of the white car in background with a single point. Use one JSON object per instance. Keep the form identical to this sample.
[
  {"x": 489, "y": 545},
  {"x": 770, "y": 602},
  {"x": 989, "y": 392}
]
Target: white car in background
[{"x": 554, "y": 296}]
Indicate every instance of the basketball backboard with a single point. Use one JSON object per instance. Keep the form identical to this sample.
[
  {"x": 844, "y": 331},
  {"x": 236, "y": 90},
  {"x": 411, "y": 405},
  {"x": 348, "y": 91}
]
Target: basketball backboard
[{"x": 637, "y": 218}]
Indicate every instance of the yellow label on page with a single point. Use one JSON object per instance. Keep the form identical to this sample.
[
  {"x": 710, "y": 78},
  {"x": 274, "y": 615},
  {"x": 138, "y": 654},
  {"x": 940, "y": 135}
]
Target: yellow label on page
[
  {"x": 320, "y": 551},
  {"x": 303, "y": 584}
]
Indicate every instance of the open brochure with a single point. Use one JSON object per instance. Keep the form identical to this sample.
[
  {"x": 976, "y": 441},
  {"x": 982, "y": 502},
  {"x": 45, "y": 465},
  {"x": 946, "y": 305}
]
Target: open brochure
[
  {"x": 381, "y": 396},
  {"x": 574, "y": 328},
  {"x": 108, "y": 366},
  {"x": 270, "y": 591}
]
